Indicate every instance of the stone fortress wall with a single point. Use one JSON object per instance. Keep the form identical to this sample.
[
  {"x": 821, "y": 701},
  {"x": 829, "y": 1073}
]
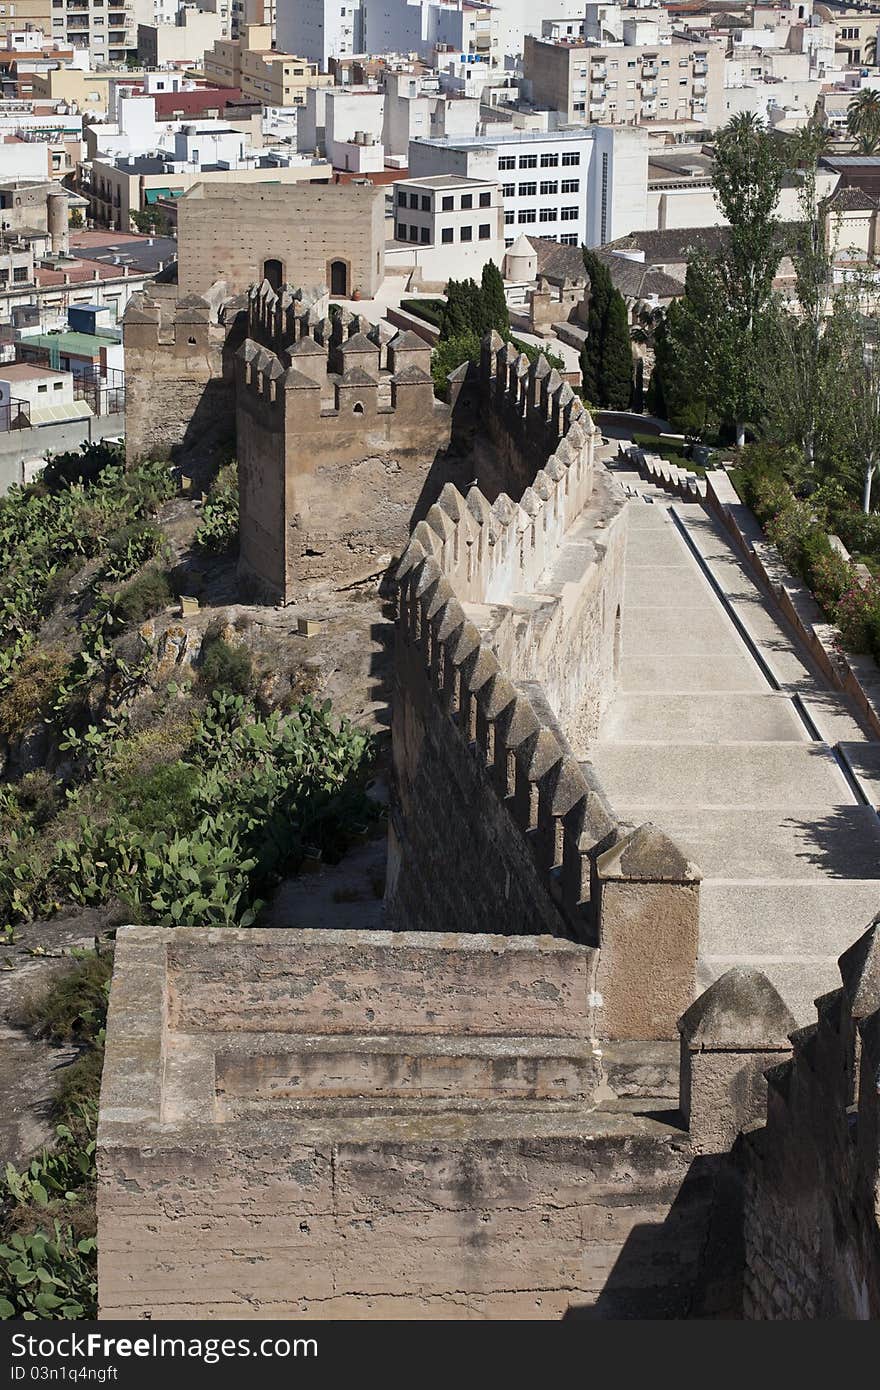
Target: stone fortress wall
[
  {"x": 179, "y": 382},
  {"x": 812, "y": 1172},
  {"x": 231, "y": 232},
  {"x": 460, "y": 1124},
  {"x": 338, "y": 432},
  {"x": 506, "y": 646}
]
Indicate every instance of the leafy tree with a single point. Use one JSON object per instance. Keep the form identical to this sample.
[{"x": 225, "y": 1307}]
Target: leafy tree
[
  {"x": 804, "y": 388},
  {"x": 721, "y": 335}
]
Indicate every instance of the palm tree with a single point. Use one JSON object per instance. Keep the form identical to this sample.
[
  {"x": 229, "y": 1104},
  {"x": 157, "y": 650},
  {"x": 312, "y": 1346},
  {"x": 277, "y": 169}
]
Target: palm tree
[
  {"x": 871, "y": 51},
  {"x": 863, "y": 120}
]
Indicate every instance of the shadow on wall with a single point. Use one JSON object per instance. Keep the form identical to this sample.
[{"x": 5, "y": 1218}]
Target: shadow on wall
[{"x": 689, "y": 1265}]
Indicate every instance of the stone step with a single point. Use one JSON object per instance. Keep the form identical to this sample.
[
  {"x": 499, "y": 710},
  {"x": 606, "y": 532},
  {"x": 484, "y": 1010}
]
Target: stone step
[
  {"x": 650, "y": 777},
  {"x": 690, "y": 673},
  {"x": 731, "y": 718},
  {"x": 641, "y": 1069},
  {"x": 422, "y": 1067},
  {"x": 764, "y": 844}
]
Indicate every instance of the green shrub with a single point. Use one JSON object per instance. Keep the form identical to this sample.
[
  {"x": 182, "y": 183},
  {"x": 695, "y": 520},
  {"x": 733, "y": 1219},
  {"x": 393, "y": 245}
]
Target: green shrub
[
  {"x": 31, "y": 688},
  {"x": 160, "y": 798},
  {"x": 219, "y": 529},
  {"x": 129, "y": 547},
  {"x": 49, "y": 1274},
  {"x": 431, "y": 310},
  {"x": 73, "y": 1009},
  {"x": 144, "y": 596},
  {"x": 224, "y": 667},
  {"x": 82, "y": 465},
  {"x": 449, "y": 354},
  {"x": 39, "y": 796}
]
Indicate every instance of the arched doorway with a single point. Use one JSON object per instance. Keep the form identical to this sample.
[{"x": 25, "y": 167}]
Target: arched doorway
[
  {"x": 339, "y": 278},
  {"x": 273, "y": 271}
]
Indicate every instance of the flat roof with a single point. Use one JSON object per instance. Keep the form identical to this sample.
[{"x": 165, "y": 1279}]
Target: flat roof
[
  {"x": 25, "y": 371},
  {"x": 515, "y": 137},
  {"x": 80, "y": 344},
  {"x": 445, "y": 181}
]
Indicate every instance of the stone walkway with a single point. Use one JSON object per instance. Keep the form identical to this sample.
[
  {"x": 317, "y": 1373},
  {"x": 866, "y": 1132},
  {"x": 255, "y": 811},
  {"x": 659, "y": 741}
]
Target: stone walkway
[{"x": 724, "y": 735}]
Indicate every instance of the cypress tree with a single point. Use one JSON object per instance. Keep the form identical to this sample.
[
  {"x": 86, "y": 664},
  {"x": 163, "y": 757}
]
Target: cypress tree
[
  {"x": 592, "y": 351},
  {"x": 456, "y": 316},
  {"x": 493, "y": 302},
  {"x": 616, "y": 371}
]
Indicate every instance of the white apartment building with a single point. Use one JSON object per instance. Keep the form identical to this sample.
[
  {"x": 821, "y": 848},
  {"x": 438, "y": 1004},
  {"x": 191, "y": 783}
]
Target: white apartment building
[
  {"x": 585, "y": 185},
  {"x": 319, "y": 29},
  {"x": 639, "y": 80},
  {"x": 421, "y": 26},
  {"x": 451, "y": 226},
  {"x": 106, "y": 29}
]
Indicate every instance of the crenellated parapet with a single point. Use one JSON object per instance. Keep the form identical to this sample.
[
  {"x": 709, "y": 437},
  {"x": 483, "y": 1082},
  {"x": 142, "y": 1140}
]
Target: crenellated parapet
[
  {"x": 812, "y": 1172},
  {"x": 507, "y": 642},
  {"x": 543, "y": 786}
]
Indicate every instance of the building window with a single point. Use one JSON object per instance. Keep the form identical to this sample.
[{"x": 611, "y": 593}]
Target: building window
[
  {"x": 528, "y": 161},
  {"x": 466, "y": 234},
  {"x": 485, "y": 231},
  {"x": 467, "y": 200},
  {"x": 568, "y": 239},
  {"x": 579, "y": 106},
  {"x": 549, "y": 161},
  {"x": 528, "y": 215},
  {"x": 506, "y": 161},
  {"x": 401, "y": 231},
  {"x": 571, "y": 157},
  {"x": 57, "y": 385},
  {"x": 424, "y": 234},
  {"x": 569, "y": 214},
  {"x": 20, "y": 273},
  {"x": 448, "y": 204},
  {"x": 508, "y": 190},
  {"x": 528, "y": 190},
  {"x": 426, "y": 204},
  {"x": 413, "y": 200},
  {"x": 485, "y": 200},
  {"x": 550, "y": 186},
  {"x": 508, "y": 218},
  {"x": 401, "y": 200},
  {"x": 571, "y": 185},
  {"x": 547, "y": 215},
  {"x": 446, "y": 235}
]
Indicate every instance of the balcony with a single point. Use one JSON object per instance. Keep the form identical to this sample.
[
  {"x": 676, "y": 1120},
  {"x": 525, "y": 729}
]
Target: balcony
[
  {"x": 649, "y": 89},
  {"x": 649, "y": 70},
  {"x": 700, "y": 69},
  {"x": 597, "y": 91},
  {"x": 598, "y": 72}
]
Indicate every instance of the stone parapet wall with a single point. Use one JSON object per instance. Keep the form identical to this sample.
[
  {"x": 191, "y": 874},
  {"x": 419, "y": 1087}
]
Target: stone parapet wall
[
  {"x": 812, "y": 1172},
  {"x": 328, "y": 1124}
]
